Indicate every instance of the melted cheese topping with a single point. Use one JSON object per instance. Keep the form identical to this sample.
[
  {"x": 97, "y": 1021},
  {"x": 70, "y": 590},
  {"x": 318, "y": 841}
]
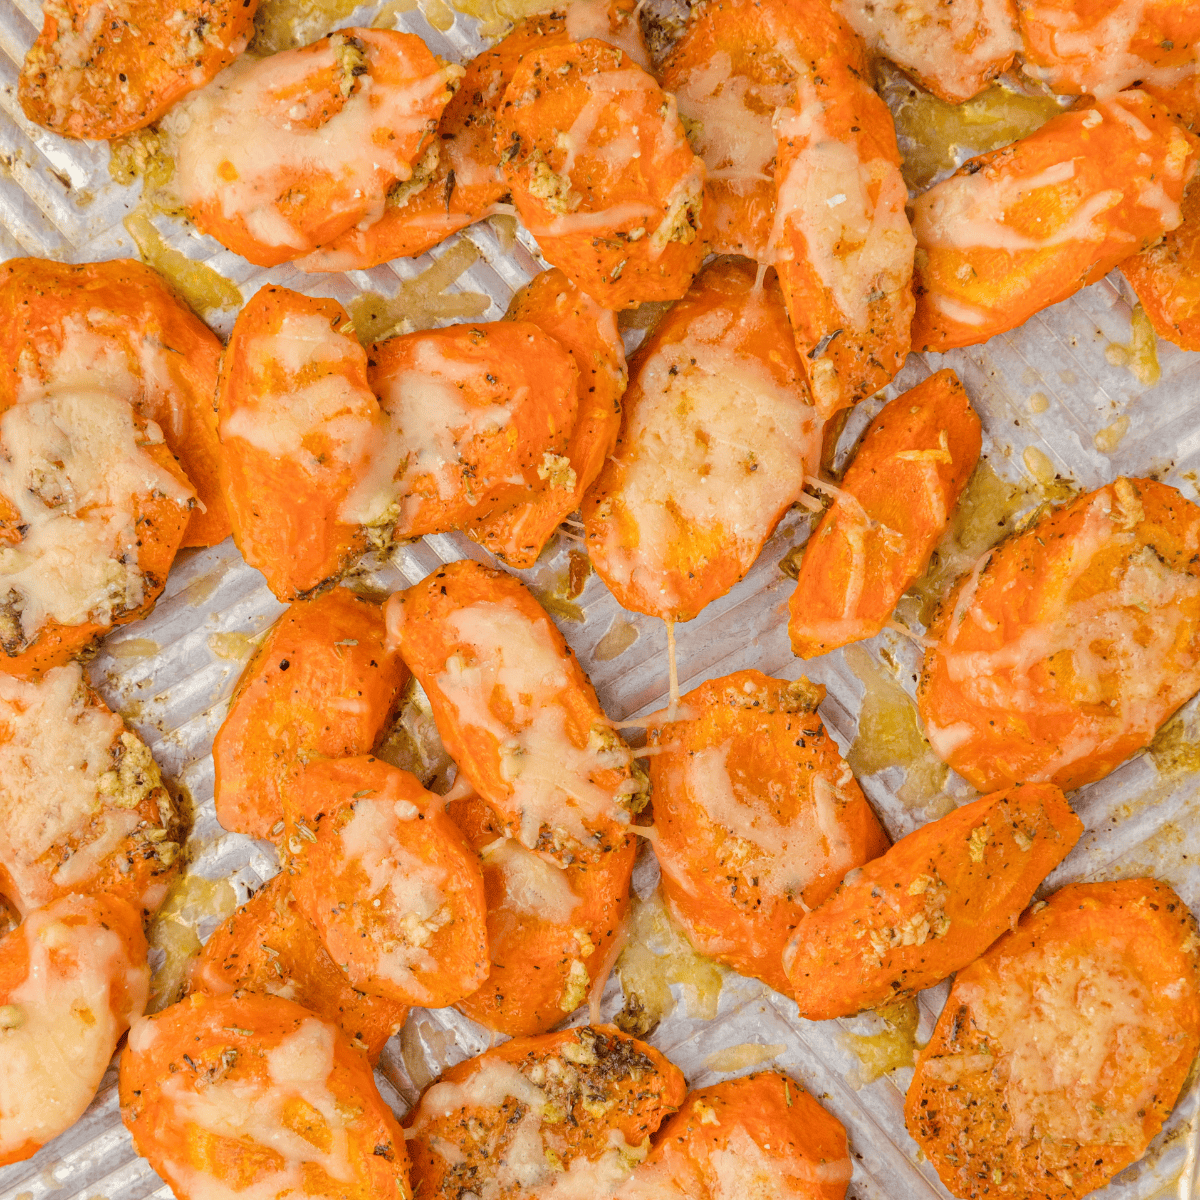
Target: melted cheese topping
[
  {"x": 72, "y": 463},
  {"x": 60, "y": 1029},
  {"x": 591, "y": 19},
  {"x": 532, "y": 886}
]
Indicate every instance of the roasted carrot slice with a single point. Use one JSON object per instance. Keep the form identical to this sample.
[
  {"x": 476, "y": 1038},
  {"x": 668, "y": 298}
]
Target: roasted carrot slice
[
  {"x": 589, "y": 333},
  {"x": 1061, "y": 1051},
  {"x": 602, "y": 174},
  {"x": 575, "y": 1108},
  {"x": 762, "y": 1130},
  {"x": 480, "y": 416},
  {"x": 1024, "y": 227},
  {"x": 1101, "y": 46},
  {"x": 94, "y": 73},
  {"x": 516, "y": 712},
  {"x": 1066, "y": 647},
  {"x": 717, "y": 436},
  {"x": 298, "y": 425},
  {"x": 388, "y": 880},
  {"x": 323, "y": 684},
  {"x": 72, "y": 977},
  {"x": 253, "y": 1093},
  {"x": 933, "y": 903},
  {"x": 953, "y": 50},
  {"x": 842, "y": 241},
  {"x": 268, "y": 946},
  {"x": 281, "y": 155},
  {"x": 119, "y": 326},
  {"x": 894, "y": 504},
  {"x": 758, "y": 817},
  {"x": 82, "y": 802},
  {"x": 551, "y": 930}
]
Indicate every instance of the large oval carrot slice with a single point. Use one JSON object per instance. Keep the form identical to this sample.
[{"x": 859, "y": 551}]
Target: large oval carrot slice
[
  {"x": 388, "y": 880},
  {"x": 249, "y": 1094},
  {"x": 602, "y": 173},
  {"x": 94, "y": 73},
  {"x": 717, "y": 436},
  {"x": 761, "y": 1132},
  {"x": 268, "y": 946},
  {"x": 572, "y": 1110},
  {"x": 82, "y": 802},
  {"x": 1021, "y": 228},
  {"x": 479, "y": 416},
  {"x": 323, "y": 684},
  {"x": 1062, "y": 1050},
  {"x": 1066, "y": 647},
  {"x": 72, "y": 977},
  {"x": 281, "y": 155},
  {"x": 551, "y": 929},
  {"x": 298, "y": 424},
  {"x": 589, "y": 333},
  {"x": 894, "y": 504},
  {"x": 516, "y": 712},
  {"x": 758, "y": 817},
  {"x": 118, "y": 326},
  {"x": 933, "y": 903}
]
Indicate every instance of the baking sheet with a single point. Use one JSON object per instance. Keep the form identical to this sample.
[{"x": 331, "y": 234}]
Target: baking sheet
[{"x": 1047, "y": 393}]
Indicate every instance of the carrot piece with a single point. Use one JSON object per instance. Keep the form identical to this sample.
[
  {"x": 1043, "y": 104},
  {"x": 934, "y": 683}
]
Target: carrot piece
[
  {"x": 933, "y": 903},
  {"x": 323, "y": 684},
  {"x": 844, "y": 248},
  {"x": 268, "y": 946},
  {"x": 1101, "y": 46},
  {"x": 480, "y": 415},
  {"x": 72, "y": 977},
  {"x": 551, "y": 930},
  {"x": 82, "y": 803},
  {"x": 1066, "y": 647},
  {"x": 763, "y": 1130},
  {"x": 589, "y": 333},
  {"x": 298, "y": 424},
  {"x": 758, "y": 817},
  {"x": 894, "y": 504},
  {"x": 516, "y": 712},
  {"x": 254, "y": 1093},
  {"x": 388, "y": 880},
  {"x": 577, "y": 1107},
  {"x": 120, "y": 326},
  {"x": 1026, "y": 226},
  {"x": 1061, "y": 1051},
  {"x": 281, "y": 155},
  {"x": 93, "y": 74},
  {"x": 602, "y": 174},
  {"x": 717, "y": 436}
]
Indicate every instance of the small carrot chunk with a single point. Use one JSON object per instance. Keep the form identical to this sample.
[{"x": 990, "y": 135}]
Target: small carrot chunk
[
  {"x": 758, "y": 817},
  {"x": 283, "y": 154},
  {"x": 933, "y": 903},
  {"x": 254, "y": 1093},
  {"x": 1023, "y": 227},
  {"x": 268, "y": 946},
  {"x": 894, "y": 503},
  {"x": 762, "y": 1130},
  {"x": 602, "y": 174},
  {"x": 388, "y": 880},
  {"x": 717, "y": 436},
  {"x": 589, "y": 333},
  {"x": 576, "y": 1108},
  {"x": 323, "y": 684},
  {"x": 552, "y": 930},
  {"x": 516, "y": 712},
  {"x": 1067, "y": 646},
  {"x": 1062, "y": 1050},
  {"x": 479, "y": 416},
  {"x": 298, "y": 424}
]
